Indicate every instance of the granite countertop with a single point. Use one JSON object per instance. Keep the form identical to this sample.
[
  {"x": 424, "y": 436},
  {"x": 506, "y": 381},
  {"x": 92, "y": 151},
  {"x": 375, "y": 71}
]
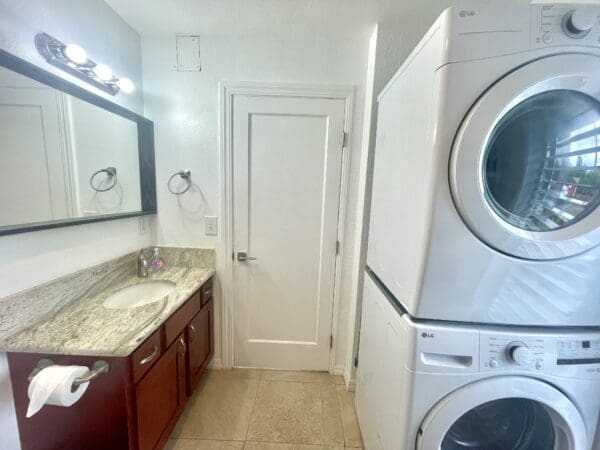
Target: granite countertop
[{"x": 81, "y": 325}]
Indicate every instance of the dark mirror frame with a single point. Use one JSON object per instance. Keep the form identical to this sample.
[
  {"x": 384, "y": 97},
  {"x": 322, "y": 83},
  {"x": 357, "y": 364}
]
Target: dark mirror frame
[{"x": 145, "y": 129}]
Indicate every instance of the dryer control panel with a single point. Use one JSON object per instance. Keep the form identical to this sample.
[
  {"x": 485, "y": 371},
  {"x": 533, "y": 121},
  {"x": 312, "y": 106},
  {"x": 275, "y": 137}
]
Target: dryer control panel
[
  {"x": 574, "y": 356},
  {"x": 565, "y": 24},
  {"x": 575, "y": 352}
]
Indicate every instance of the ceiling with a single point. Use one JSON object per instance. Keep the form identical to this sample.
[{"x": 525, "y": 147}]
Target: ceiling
[{"x": 292, "y": 18}]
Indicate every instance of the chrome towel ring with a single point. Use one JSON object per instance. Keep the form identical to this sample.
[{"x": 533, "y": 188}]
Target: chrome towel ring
[
  {"x": 111, "y": 173},
  {"x": 185, "y": 175}
]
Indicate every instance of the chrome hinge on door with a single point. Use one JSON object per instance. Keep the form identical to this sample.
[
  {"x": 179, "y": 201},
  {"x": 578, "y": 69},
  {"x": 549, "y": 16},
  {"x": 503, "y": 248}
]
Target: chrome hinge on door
[
  {"x": 337, "y": 247},
  {"x": 331, "y": 341},
  {"x": 344, "y": 139}
]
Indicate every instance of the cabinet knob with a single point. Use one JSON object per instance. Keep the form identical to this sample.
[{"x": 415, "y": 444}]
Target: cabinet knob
[
  {"x": 183, "y": 346},
  {"x": 193, "y": 332}
]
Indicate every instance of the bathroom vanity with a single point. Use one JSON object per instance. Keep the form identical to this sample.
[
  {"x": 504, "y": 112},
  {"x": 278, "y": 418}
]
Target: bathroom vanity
[{"x": 156, "y": 354}]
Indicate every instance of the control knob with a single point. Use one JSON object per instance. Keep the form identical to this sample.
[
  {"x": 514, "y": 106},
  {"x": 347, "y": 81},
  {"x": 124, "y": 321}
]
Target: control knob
[
  {"x": 520, "y": 354},
  {"x": 577, "y": 23}
]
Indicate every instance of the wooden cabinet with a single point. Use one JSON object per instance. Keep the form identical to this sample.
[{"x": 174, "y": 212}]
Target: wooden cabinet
[
  {"x": 145, "y": 355},
  {"x": 160, "y": 396},
  {"x": 137, "y": 403},
  {"x": 200, "y": 342}
]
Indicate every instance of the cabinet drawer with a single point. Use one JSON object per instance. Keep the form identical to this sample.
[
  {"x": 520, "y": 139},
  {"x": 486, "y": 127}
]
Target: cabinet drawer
[
  {"x": 146, "y": 355},
  {"x": 207, "y": 291},
  {"x": 179, "y": 320}
]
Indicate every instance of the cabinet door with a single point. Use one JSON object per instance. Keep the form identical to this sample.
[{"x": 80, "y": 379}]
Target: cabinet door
[
  {"x": 200, "y": 341},
  {"x": 160, "y": 397}
]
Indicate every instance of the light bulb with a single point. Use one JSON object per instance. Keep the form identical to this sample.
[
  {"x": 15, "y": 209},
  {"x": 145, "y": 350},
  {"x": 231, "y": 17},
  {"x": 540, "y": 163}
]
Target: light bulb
[
  {"x": 75, "y": 53},
  {"x": 126, "y": 85},
  {"x": 103, "y": 72}
]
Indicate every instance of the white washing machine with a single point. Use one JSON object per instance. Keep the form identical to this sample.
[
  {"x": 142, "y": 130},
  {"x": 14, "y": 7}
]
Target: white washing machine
[
  {"x": 441, "y": 386},
  {"x": 487, "y": 168}
]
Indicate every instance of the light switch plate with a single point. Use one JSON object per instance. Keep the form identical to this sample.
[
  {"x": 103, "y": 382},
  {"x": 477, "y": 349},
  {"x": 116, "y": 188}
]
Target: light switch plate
[{"x": 210, "y": 226}]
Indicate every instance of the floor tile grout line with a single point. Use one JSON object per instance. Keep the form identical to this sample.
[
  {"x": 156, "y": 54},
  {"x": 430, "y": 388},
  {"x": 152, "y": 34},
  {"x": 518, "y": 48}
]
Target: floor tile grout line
[
  {"x": 339, "y": 403},
  {"x": 252, "y": 408},
  {"x": 206, "y": 439},
  {"x": 322, "y": 415},
  {"x": 296, "y": 444}
]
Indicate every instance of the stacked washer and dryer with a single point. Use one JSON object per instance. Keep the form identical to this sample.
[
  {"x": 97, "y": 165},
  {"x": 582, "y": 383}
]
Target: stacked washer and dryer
[{"x": 481, "y": 308}]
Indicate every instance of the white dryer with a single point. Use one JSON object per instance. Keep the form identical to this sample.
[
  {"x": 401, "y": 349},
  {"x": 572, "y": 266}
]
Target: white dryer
[
  {"x": 441, "y": 386},
  {"x": 487, "y": 168}
]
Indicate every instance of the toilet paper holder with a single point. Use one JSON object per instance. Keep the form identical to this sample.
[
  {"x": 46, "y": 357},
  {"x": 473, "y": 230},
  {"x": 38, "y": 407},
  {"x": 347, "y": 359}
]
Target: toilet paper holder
[{"x": 97, "y": 369}]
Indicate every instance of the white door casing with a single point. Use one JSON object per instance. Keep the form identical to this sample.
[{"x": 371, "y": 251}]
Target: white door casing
[{"x": 287, "y": 153}]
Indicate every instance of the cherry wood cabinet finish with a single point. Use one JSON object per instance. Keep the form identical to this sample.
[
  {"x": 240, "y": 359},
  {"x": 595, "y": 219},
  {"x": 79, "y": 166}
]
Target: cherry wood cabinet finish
[
  {"x": 160, "y": 397},
  {"x": 144, "y": 357},
  {"x": 206, "y": 292},
  {"x": 138, "y": 402},
  {"x": 98, "y": 421},
  {"x": 180, "y": 318},
  {"x": 201, "y": 345}
]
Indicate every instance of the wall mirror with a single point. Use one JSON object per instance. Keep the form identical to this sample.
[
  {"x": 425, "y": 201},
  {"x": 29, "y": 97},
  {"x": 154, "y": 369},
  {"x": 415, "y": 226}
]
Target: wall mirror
[{"x": 68, "y": 156}]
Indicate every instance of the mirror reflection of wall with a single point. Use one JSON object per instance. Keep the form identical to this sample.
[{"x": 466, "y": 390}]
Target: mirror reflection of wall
[{"x": 51, "y": 143}]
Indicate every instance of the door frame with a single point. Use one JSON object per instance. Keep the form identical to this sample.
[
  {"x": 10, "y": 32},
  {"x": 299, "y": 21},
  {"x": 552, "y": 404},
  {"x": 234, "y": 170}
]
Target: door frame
[{"x": 227, "y": 91}]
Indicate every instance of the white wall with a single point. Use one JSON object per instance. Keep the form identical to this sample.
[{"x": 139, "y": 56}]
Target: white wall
[
  {"x": 184, "y": 106},
  {"x": 29, "y": 259}
]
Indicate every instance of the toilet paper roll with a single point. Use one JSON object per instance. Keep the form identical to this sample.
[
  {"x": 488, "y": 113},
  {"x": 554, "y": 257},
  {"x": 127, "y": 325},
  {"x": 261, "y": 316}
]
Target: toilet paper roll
[{"x": 52, "y": 386}]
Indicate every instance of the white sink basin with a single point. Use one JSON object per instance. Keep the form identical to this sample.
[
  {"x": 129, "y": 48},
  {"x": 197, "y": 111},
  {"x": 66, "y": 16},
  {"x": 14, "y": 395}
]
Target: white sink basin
[{"x": 140, "y": 294}]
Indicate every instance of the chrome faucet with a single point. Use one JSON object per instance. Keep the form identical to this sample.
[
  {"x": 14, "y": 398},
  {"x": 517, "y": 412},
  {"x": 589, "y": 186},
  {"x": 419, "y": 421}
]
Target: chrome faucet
[{"x": 142, "y": 265}]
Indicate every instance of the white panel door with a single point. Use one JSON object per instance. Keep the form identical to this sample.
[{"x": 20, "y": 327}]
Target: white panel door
[
  {"x": 287, "y": 160},
  {"x": 33, "y": 151}
]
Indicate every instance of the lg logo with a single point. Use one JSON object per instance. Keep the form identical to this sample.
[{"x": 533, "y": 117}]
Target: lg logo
[
  {"x": 465, "y": 13},
  {"x": 426, "y": 335}
]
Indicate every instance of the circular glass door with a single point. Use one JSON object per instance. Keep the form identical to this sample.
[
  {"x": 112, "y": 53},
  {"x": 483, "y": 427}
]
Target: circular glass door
[
  {"x": 542, "y": 166},
  {"x": 525, "y": 165},
  {"x": 512, "y": 423},
  {"x": 501, "y": 413}
]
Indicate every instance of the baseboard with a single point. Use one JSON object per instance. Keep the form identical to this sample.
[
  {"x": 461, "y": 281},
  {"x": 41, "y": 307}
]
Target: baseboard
[
  {"x": 350, "y": 380},
  {"x": 350, "y": 385},
  {"x": 215, "y": 364},
  {"x": 339, "y": 370}
]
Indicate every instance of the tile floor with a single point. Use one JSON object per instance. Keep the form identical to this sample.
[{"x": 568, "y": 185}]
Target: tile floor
[{"x": 247, "y": 409}]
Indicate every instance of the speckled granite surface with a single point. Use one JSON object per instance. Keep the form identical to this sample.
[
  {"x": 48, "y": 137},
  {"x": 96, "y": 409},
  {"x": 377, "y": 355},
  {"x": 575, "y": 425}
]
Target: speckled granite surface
[{"x": 67, "y": 316}]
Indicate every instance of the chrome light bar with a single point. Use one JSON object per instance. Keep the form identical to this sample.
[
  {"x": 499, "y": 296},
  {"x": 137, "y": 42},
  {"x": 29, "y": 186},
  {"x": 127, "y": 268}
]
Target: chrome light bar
[{"x": 99, "y": 75}]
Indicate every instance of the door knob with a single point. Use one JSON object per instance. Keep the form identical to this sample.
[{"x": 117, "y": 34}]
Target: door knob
[{"x": 243, "y": 256}]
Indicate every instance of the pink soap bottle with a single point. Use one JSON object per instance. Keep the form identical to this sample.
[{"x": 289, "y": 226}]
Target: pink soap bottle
[{"x": 157, "y": 262}]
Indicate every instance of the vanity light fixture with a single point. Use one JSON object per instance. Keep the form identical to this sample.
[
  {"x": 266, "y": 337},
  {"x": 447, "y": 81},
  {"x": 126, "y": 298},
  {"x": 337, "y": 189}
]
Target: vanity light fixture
[
  {"x": 74, "y": 60},
  {"x": 126, "y": 85},
  {"x": 103, "y": 72},
  {"x": 75, "y": 54}
]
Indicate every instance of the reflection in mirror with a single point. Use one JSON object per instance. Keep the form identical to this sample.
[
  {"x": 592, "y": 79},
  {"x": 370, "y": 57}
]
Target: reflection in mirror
[
  {"x": 542, "y": 170},
  {"x": 51, "y": 144}
]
